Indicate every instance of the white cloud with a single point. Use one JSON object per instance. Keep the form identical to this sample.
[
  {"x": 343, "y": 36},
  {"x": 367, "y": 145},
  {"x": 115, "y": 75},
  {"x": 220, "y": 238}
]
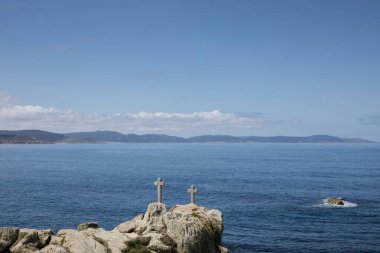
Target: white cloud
[
  {"x": 6, "y": 100},
  {"x": 13, "y": 116}
]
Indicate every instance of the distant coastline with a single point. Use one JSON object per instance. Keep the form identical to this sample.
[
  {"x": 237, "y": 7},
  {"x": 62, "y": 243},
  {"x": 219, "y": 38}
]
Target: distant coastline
[{"x": 44, "y": 137}]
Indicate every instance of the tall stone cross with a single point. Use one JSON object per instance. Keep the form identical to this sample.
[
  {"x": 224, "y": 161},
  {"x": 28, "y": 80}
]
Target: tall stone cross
[
  {"x": 160, "y": 184},
  {"x": 192, "y": 192}
]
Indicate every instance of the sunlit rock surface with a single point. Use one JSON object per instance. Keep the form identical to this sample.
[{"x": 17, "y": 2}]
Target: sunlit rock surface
[{"x": 182, "y": 229}]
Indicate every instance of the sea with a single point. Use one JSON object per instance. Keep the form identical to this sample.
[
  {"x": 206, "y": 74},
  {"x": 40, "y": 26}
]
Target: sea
[{"x": 271, "y": 195}]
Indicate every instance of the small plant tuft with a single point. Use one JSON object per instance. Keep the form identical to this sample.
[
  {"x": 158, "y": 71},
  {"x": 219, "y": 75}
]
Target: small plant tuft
[
  {"x": 63, "y": 240},
  {"x": 138, "y": 245},
  {"x": 168, "y": 241},
  {"x": 195, "y": 215},
  {"x": 142, "y": 230}
]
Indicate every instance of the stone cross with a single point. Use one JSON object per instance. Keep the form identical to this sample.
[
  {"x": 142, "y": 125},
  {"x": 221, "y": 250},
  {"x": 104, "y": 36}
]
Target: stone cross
[
  {"x": 160, "y": 184},
  {"x": 192, "y": 192}
]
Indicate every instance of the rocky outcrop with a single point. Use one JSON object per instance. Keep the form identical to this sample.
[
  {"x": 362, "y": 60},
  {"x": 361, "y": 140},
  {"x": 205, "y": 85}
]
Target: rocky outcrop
[
  {"x": 81, "y": 241},
  {"x": 8, "y": 235},
  {"x": 87, "y": 225},
  {"x": 31, "y": 240},
  {"x": 194, "y": 229},
  {"x": 182, "y": 229},
  {"x": 335, "y": 201},
  {"x": 53, "y": 249}
]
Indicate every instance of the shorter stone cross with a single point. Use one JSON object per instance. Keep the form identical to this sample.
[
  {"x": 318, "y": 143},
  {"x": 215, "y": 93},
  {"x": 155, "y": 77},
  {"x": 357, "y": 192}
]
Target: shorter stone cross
[
  {"x": 192, "y": 192},
  {"x": 160, "y": 184}
]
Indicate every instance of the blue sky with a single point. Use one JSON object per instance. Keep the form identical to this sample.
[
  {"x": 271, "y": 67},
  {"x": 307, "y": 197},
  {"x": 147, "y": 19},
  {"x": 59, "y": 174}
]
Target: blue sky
[{"x": 192, "y": 67}]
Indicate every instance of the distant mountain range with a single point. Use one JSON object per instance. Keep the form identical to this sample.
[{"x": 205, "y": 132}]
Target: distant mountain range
[{"x": 38, "y": 136}]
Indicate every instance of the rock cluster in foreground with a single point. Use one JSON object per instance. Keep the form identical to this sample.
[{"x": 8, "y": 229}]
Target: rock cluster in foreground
[{"x": 183, "y": 229}]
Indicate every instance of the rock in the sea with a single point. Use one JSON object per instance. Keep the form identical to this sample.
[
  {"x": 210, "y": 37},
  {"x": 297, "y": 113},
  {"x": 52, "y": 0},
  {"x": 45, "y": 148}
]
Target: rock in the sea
[
  {"x": 31, "y": 240},
  {"x": 153, "y": 220},
  {"x": 114, "y": 241},
  {"x": 28, "y": 244},
  {"x": 130, "y": 226},
  {"x": 182, "y": 229},
  {"x": 335, "y": 201},
  {"x": 53, "y": 249},
  {"x": 195, "y": 229},
  {"x": 161, "y": 243},
  {"x": 87, "y": 225},
  {"x": 81, "y": 241},
  {"x": 8, "y": 235}
]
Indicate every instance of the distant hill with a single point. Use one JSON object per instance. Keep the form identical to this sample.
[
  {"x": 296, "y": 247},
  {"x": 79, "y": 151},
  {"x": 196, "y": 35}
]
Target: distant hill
[
  {"x": 215, "y": 138},
  {"x": 157, "y": 138},
  {"x": 30, "y": 136},
  {"x": 38, "y": 136},
  {"x": 292, "y": 139},
  {"x": 99, "y": 136},
  {"x": 275, "y": 139},
  {"x": 14, "y": 139},
  {"x": 111, "y": 136}
]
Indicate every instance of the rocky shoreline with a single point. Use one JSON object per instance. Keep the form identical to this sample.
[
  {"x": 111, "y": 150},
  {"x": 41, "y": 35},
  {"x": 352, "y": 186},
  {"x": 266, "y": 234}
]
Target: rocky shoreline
[{"x": 182, "y": 229}]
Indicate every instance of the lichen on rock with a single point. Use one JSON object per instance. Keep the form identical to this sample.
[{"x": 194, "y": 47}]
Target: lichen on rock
[{"x": 8, "y": 235}]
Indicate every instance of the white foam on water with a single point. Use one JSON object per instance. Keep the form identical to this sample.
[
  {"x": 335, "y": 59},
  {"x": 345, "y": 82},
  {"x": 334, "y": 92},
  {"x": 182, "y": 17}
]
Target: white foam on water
[{"x": 346, "y": 204}]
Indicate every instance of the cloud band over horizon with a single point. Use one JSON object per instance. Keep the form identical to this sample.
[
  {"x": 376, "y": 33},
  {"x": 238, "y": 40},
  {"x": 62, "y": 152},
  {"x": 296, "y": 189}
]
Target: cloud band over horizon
[{"x": 14, "y": 116}]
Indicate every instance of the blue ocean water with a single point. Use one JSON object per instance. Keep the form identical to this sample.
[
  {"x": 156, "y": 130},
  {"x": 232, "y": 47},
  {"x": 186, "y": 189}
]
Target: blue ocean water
[{"x": 269, "y": 193}]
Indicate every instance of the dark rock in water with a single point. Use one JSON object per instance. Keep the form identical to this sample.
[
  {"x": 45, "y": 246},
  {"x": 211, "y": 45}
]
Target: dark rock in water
[
  {"x": 335, "y": 201},
  {"x": 87, "y": 225}
]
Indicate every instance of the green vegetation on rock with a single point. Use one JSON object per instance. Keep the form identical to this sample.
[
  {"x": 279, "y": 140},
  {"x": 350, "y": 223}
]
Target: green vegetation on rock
[{"x": 138, "y": 245}]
